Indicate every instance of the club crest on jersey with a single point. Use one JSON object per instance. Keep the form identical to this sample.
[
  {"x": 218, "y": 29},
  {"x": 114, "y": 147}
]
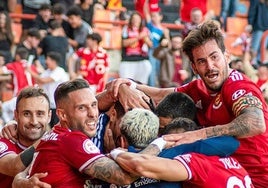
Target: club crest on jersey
[
  {"x": 217, "y": 104},
  {"x": 3, "y": 147},
  {"x": 89, "y": 147},
  {"x": 238, "y": 93}
]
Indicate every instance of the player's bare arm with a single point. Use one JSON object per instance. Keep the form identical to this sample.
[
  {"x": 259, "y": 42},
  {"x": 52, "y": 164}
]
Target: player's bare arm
[
  {"x": 249, "y": 123},
  {"x": 108, "y": 170},
  {"x": 144, "y": 165}
]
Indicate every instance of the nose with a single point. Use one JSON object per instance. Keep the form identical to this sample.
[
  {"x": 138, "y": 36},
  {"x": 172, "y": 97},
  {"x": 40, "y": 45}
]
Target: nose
[
  {"x": 34, "y": 120},
  {"x": 91, "y": 112},
  {"x": 210, "y": 64}
]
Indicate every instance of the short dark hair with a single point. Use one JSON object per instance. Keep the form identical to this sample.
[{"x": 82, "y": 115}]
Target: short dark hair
[
  {"x": 22, "y": 52},
  {"x": 176, "y": 105},
  {"x": 74, "y": 10},
  {"x": 207, "y": 31},
  {"x": 45, "y": 6},
  {"x": 67, "y": 87},
  {"x": 55, "y": 24},
  {"x": 95, "y": 36},
  {"x": 34, "y": 32},
  {"x": 29, "y": 92},
  {"x": 180, "y": 123},
  {"x": 56, "y": 56},
  {"x": 58, "y": 9}
]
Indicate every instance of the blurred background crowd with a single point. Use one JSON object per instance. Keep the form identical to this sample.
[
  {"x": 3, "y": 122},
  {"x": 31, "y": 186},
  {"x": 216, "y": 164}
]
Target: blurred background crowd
[{"x": 46, "y": 42}]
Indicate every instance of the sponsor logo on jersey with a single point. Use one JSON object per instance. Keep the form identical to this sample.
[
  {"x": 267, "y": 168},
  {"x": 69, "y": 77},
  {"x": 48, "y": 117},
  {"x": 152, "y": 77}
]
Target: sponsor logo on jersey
[
  {"x": 238, "y": 93},
  {"x": 217, "y": 104}
]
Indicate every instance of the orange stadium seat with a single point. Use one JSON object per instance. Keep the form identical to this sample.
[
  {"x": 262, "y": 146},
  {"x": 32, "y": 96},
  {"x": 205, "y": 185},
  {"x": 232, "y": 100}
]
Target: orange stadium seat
[
  {"x": 111, "y": 38},
  {"x": 215, "y": 6},
  {"x": 236, "y": 25},
  {"x": 228, "y": 40}
]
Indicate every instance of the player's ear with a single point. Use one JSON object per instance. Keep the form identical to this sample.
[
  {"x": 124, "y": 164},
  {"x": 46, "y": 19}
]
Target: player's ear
[{"x": 61, "y": 114}]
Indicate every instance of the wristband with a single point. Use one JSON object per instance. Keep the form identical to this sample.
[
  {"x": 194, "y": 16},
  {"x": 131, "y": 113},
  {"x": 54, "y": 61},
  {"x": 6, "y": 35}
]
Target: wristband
[
  {"x": 133, "y": 85},
  {"x": 115, "y": 152},
  {"x": 27, "y": 156},
  {"x": 160, "y": 143}
]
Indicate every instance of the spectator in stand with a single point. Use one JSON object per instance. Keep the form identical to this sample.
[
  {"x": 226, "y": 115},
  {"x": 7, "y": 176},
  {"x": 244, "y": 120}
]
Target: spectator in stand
[
  {"x": 31, "y": 7},
  {"x": 173, "y": 70},
  {"x": 153, "y": 18},
  {"x": 58, "y": 12},
  {"x": 139, "y": 6},
  {"x": 86, "y": 7},
  {"x": 257, "y": 14},
  {"x": 6, "y": 35},
  {"x": 55, "y": 41},
  {"x": 20, "y": 79},
  {"x": 80, "y": 28},
  {"x": 50, "y": 79},
  {"x": 43, "y": 18},
  {"x": 32, "y": 115},
  {"x": 186, "y": 7},
  {"x": 5, "y": 83},
  {"x": 258, "y": 75},
  {"x": 196, "y": 18},
  {"x": 135, "y": 44},
  {"x": 93, "y": 63},
  {"x": 31, "y": 43},
  {"x": 228, "y": 9},
  {"x": 65, "y": 3},
  {"x": 237, "y": 64},
  {"x": 8, "y": 5}
]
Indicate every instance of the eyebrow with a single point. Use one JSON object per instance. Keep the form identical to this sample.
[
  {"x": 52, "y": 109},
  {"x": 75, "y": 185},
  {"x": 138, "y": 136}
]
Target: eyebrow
[{"x": 211, "y": 54}]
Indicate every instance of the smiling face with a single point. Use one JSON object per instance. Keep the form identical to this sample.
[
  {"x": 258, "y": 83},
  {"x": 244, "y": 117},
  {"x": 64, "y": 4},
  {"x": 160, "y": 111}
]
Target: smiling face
[
  {"x": 33, "y": 116},
  {"x": 81, "y": 112},
  {"x": 211, "y": 64}
]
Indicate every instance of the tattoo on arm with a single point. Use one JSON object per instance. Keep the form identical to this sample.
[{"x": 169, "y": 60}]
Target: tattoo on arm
[
  {"x": 108, "y": 170},
  {"x": 249, "y": 123}
]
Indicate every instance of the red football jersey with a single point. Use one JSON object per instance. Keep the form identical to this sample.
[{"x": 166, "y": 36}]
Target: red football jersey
[
  {"x": 64, "y": 154},
  {"x": 8, "y": 147},
  {"x": 223, "y": 107},
  {"x": 213, "y": 171},
  {"x": 93, "y": 65},
  {"x": 21, "y": 77}
]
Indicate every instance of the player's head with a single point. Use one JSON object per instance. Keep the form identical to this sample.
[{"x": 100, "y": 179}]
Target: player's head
[
  {"x": 32, "y": 113},
  {"x": 180, "y": 125},
  {"x": 139, "y": 127},
  {"x": 77, "y": 106},
  {"x": 175, "y": 105}
]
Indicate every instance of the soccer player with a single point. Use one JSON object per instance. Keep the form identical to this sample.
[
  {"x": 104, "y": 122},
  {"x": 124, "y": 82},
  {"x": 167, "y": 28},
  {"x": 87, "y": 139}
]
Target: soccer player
[
  {"x": 227, "y": 102},
  {"x": 32, "y": 114},
  {"x": 67, "y": 152},
  {"x": 138, "y": 127}
]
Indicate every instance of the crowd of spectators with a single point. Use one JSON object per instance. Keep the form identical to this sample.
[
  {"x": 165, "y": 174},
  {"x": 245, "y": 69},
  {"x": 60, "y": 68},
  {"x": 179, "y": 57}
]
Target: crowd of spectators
[{"x": 64, "y": 27}]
